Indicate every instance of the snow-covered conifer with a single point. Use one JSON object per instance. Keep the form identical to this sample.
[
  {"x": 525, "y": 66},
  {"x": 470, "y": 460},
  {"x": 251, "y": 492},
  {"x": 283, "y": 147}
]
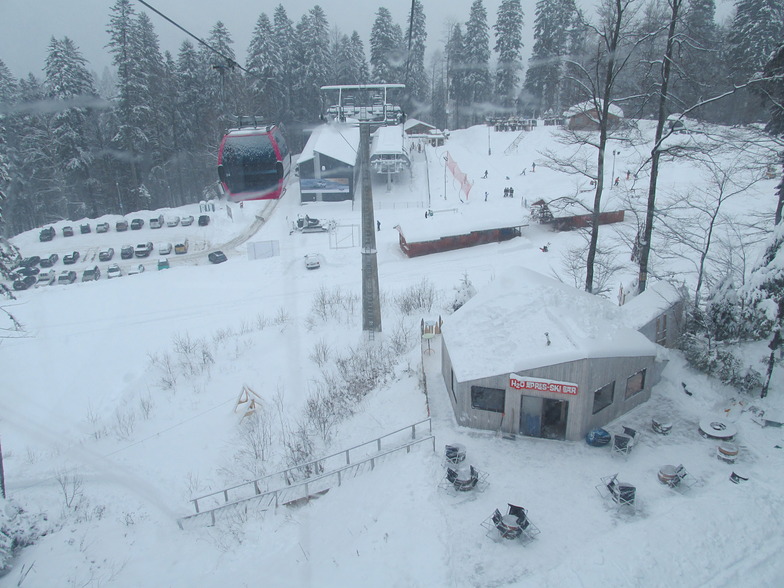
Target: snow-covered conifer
[{"x": 508, "y": 44}]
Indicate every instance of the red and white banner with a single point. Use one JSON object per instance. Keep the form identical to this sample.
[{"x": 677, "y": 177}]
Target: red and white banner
[
  {"x": 537, "y": 385},
  {"x": 460, "y": 176}
]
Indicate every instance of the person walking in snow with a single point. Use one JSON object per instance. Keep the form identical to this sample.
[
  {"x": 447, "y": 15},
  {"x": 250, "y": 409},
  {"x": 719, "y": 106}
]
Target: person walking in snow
[
  {"x": 533, "y": 167},
  {"x": 378, "y": 225},
  {"x": 484, "y": 177},
  {"x": 485, "y": 196},
  {"x": 617, "y": 180}
]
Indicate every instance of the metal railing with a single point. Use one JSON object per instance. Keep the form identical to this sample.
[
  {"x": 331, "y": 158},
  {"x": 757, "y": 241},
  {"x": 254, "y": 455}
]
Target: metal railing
[
  {"x": 308, "y": 469},
  {"x": 303, "y": 490}
]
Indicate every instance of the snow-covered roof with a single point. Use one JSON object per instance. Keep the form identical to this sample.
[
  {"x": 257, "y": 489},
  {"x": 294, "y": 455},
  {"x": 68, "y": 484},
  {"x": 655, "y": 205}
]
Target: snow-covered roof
[
  {"x": 412, "y": 122},
  {"x": 643, "y": 308},
  {"x": 454, "y": 222},
  {"x": 506, "y": 326},
  {"x": 337, "y": 140},
  {"x": 588, "y": 106},
  {"x": 388, "y": 140}
]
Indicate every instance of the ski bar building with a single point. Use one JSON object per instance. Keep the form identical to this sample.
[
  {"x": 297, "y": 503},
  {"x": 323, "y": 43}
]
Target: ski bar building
[
  {"x": 329, "y": 164},
  {"x": 532, "y": 356}
]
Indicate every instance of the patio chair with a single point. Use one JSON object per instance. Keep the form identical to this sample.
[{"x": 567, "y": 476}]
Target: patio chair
[
  {"x": 621, "y": 494},
  {"x": 623, "y": 443},
  {"x": 525, "y": 524},
  {"x": 492, "y": 524},
  {"x": 681, "y": 480},
  {"x": 454, "y": 454}
]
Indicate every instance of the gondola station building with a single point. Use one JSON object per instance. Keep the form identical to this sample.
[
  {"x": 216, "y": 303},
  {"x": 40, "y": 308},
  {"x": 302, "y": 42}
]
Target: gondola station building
[{"x": 532, "y": 356}]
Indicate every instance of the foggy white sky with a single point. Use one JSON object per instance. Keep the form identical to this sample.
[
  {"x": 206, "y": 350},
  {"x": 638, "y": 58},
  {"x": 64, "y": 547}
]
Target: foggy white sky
[{"x": 26, "y": 26}]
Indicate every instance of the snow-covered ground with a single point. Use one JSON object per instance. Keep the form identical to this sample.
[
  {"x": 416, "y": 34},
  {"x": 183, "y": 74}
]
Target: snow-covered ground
[{"x": 111, "y": 445}]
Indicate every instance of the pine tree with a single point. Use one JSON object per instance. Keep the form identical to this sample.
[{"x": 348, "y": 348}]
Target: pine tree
[
  {"x": 68, "y": 79},
  {"x": 477, "y": 59},
  {"x": 265, "y": 68},
  {"x": 385, "y": 48},
  {"x": 457, "y": 73},
  {"x": 756, "y": 31},
  {"x": 508, "y": 45},
  {"x": 284, "y": 38},
  {"x": 8, "y": 254},
  {"x": 416, "y": 80},
  {"x": 555, "y": 37},
  {"x": 699, "y": 56},
  {"x": 312, "y": 58}
]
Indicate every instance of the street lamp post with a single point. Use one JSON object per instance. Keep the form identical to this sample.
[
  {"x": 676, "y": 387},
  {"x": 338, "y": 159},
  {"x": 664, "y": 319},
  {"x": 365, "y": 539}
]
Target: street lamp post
[{"x": 612, "y": 179}]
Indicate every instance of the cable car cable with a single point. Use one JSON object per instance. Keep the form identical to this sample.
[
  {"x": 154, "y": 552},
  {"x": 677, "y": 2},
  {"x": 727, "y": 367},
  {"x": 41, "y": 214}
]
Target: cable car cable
[{"x": 230, "y": 61}]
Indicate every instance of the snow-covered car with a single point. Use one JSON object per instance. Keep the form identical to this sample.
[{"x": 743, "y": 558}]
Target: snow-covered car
[
  {"x": 182, "y": 247},
  {"x": 312, "y": 261},
  {"x": 24, "y": 282},
  {"x": 137, "y": 224},
  {"x": 217, "y": 257},
  {"x": 186, "y": 221},
  {"x": 50, "y": 260},
  {"x": 204, "y": 220},
  {"x": 102, "y": 228},
  {"x": 106, "y": 254},
  {"x": 121, "y": 225},
  {"x": 46, "y": 278},
  {"x": 143, "y": 249},
  {"x": 68, "y": 231},
  {"x": 114, "y": 271},
  {"x": 173, "y": 221},
  {"x": 91, "y": 274},
  {"x": 164, "y": 248},
  {"x": 137, "y": 269},
  {"x": 156, "y": 222},
  {"x": 71, "y": 258},
  {"x": 46, "y": 234},
  {"x": 163, "y": 263},
  {"x": 85, "y": 228},
  {"x": 66, "y": 277},
  {"x": 126, "y": 252}
]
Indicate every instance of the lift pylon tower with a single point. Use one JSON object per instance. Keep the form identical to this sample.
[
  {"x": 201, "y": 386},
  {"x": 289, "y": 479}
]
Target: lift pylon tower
[{"x": 371, "y": 300}]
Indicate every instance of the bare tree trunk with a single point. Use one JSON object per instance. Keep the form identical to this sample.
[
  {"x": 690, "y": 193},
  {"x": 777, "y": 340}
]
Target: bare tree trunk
[{"x": 656, "y": 151}]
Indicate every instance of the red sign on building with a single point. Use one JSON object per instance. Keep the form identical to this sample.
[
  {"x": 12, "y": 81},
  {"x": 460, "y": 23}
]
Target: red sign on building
[{"x": 523, "y": 383}]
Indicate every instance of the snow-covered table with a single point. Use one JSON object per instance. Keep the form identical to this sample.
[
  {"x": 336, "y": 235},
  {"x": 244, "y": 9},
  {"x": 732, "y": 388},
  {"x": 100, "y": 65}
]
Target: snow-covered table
[{"x": 717, "y": 428}]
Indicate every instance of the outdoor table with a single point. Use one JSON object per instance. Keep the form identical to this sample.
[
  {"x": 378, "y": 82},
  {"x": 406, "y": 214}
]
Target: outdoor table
[
  {"x": 428, "y": 337},
  {"x": 509, "y": 528},
  {"x": 661, "y": 426},
  {"x": 667, "y": 473},
  {"x": 717, "y": 428}
]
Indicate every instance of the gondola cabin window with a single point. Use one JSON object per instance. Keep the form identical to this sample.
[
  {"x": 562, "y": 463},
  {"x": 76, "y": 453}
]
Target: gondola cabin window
[
  {"x": 635, "y": 384},
  {"x": 249, "y": 163},
  {"x": 491, "y": 399}
]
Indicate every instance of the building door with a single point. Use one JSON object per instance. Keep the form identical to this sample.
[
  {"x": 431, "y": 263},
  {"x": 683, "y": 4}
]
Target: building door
[
  {"x": 554, "y": 418},
  {"x": 531, "y": 416}
]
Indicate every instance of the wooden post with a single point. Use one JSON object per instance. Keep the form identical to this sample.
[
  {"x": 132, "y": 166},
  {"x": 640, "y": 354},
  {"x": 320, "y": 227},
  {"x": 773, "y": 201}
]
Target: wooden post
[{"x": 2, "y": 472}]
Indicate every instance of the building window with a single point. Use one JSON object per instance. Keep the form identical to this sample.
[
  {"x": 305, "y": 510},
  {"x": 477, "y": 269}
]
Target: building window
[
  {"x": 661, "y": 330},
  {"x": 635, "y": 384},
  {"x": 603, "y": 397},
  {"x": 491, "y": 399}
]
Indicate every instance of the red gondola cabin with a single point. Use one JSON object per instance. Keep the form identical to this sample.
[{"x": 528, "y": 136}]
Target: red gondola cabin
[{"x": 254, "y": 163}]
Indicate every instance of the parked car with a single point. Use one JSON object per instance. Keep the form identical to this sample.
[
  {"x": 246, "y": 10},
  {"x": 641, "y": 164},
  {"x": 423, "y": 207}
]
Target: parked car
[
  {"x": 71, "y": 258},
  {"x": 204, "y": 220},
  {"x": 156, "y": 222},
  {"x": 46, "y": 278},
  {"x": 106, "y": 254},
  {"x": 163, "y": 263},
  {"x": 126, "y": 252},
  {"x": 46, "y": 234},
  {"x": 217, "y": 257},
  {"x": 121, "y": 225},
  {"x": 84, "y": 229},
  {"x": 186, "y": 221},
  {"x": 49, "y": 261},
  {"x": 102, "y": 228},
  {"x": 136, "y": 270},
  {"x": 143, "y": 249},
  {"x": 312, "y": 261},
  {"x": 114, "y": 271},
  {"x": 137, "y": 224},
  {"x": 24, "y": 282},
  {"x": 91, "y": 274},
  {"x": 30, "y": 261},
  {"x": 164, "y": 248},
  {"x": 67, "y": 231},
  {"x": 27, "y": 270},
  {"x": 173, "y": 221},
  {"x": 66, "y": 277},
  {"x": 180, "y": 248}
]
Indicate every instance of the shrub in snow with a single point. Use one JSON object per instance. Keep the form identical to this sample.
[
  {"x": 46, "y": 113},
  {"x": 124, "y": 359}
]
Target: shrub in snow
[
  {"x": 722, "y": 310},
  {"x": 465, "y": 291},
  {"x": 717, "y": 359},
  {"x": 18, "y": 529},
  {"x": 417, "y": 298},
  {"x": 765, "y": 287}
]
